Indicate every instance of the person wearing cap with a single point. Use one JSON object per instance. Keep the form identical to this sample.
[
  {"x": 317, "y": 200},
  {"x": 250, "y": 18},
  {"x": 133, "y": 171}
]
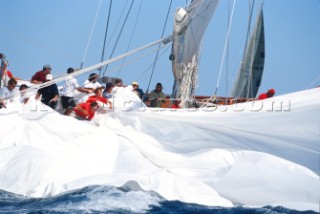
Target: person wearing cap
[
  {"x": 6, "y": 75},
  {"x": 266, "y": 95},
  {"x": 68, "y": 92},
  {"x": 50, "y": 93},
  {"x": 157, "y": 96},
  {"x": 118, "y": 83},
  {"x": 107, "y": 91},
  {"x": 137, "y": 90},
  {"x": 40, "y": 76},
  {"x": 92, "y": 82}
]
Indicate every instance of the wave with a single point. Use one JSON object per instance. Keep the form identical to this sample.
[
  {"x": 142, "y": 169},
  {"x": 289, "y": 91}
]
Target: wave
[{"x": 106, "y": 199}]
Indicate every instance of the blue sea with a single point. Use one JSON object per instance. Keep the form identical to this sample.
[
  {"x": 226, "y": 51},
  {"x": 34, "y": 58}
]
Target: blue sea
[{"x": 106, "y": 199}]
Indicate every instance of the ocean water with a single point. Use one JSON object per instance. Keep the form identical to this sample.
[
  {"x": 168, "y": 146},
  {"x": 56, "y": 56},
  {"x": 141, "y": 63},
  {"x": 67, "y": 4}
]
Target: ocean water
[{"x": 106, "y": 199}]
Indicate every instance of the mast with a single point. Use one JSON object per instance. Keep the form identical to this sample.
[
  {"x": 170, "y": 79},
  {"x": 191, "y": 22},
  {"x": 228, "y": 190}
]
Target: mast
[
  {"x": 189, "y": 26},
  {"x": 251, "y": 69},
  {"x": 2, "y": 58}
]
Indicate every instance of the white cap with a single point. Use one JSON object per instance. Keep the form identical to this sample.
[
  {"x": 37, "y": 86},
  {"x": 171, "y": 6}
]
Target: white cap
[{"x": 49, "y": 77}]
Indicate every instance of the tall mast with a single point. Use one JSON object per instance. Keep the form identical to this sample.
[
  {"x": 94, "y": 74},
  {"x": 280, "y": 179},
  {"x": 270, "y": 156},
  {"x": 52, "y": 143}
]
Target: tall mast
[{"x": 2, "y": 58}]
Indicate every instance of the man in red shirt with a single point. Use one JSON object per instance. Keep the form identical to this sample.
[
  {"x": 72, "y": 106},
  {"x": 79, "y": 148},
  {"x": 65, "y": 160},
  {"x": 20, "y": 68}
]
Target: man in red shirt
[
  {"x": 269, "y": 94},
  {"x": 40, "y": 76},
  {"x": 85, "y": 111},
  {"x": 98, "y": 97}
]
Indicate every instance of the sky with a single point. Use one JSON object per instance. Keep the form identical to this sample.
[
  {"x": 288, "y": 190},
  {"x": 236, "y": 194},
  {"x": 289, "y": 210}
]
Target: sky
[{"x": 66, "y": 33}]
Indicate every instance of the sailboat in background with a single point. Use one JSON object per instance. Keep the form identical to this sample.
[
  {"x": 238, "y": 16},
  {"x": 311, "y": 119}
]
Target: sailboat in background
[
  {"x": 250, "y": 73},
  {"x": 250, "y": 154}
]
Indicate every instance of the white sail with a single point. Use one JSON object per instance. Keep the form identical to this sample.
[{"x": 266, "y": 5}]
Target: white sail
[
  {"x": 251, "y": 69},
  {"x": 189, "y": 26},
  {"x": 250, "y": 154},
  {"x": 227, "y": 155}
]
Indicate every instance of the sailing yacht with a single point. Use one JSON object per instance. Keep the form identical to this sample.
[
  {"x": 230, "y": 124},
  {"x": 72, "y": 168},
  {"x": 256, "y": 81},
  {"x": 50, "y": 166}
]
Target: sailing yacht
[
  {"x": 249, "y": 154},
  {"x": 250, "y": 74}
]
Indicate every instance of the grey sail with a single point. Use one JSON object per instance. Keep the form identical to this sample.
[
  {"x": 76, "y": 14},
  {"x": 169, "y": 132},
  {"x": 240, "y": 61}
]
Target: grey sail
[
  {"x": 190, "y": 24},
  {"x": 251, "y": 70}
]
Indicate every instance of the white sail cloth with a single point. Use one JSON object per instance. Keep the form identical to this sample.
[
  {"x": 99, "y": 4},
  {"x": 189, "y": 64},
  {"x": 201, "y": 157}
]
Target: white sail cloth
[
  {"x": 213, "y": 158},
  {"x": 189, "y": 27}
]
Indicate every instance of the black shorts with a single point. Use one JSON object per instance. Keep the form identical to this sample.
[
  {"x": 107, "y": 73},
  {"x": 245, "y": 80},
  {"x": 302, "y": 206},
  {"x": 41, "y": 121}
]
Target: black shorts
[{"x": 67, "y": 102}]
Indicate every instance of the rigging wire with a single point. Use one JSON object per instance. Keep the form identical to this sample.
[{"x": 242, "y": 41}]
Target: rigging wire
[
  {"x": 227, "y": 59},
  {"x": 89, "y": 40},
  {"x": 313, "y": 82},
  {"x": 224, "y": 51},
  {"x": 150, "y": 66},
  {"x": 152, "y": 51},
  {"x": 156, "y": 57},
  {"x": 117, "y": 24},
  {"x": 105, "y": 35},
  {"x": 119, "y": 35},
  {"x": 133, "y": 32}
]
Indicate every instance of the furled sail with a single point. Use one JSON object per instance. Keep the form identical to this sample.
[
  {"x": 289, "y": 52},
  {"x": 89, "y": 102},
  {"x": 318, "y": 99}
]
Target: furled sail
[
  {"x": 189, "y": 26},
  {"x": 250, "y": 74}
]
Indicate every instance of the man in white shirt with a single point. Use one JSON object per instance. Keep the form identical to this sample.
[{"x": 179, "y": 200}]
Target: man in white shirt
[
  {"x": 8, "y": 93},
  {"x": 68, "y": 92},
  {"x": 92, "y": 83}
]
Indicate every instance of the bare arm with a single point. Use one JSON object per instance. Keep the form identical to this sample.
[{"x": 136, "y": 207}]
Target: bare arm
[
  {"x": 37, "y": 95},
  {"x": 110, "y": 104},
  {"x": 36, "y": 82},
  {"x": 55, "y": 98},
  {"x": 84, "y": 90}
]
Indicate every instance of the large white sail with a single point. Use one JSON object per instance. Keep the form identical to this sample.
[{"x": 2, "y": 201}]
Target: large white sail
[
  {"x": 189, "y": 26},
  {"x": 249, "y": 76}
]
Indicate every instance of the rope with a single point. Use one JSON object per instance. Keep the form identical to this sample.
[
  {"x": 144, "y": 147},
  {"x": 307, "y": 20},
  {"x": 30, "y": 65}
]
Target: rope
[
  {"x": 105, "y": 35},
  {"x": 89, "y": 40},
  {"x": 313, "y": 82},
  {"x": 224, "y": 52},
  {"x": 117, "y": 68},
  {"x": 142, "y": 74},
  {"x": 115, "y": 45},
  {"x": 155, "y": 60},
  {"x": 134, "y": 30},
  {"x": 227, "y": 60},
  {"x": 117, "y": 24}
]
